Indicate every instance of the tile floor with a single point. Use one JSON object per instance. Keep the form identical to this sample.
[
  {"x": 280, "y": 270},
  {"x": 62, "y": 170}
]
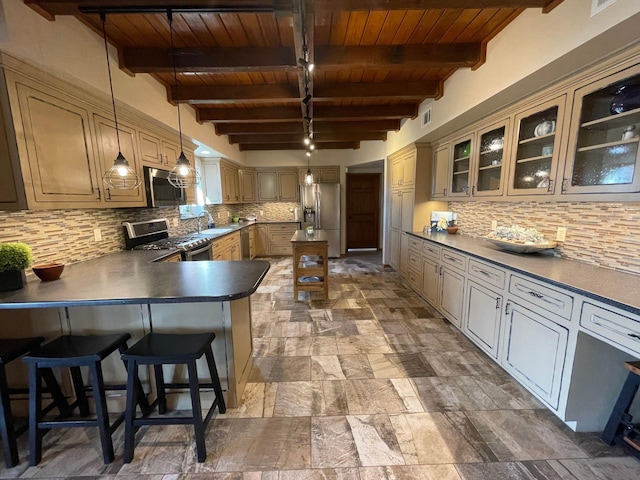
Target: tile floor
[{"x": 367, "y": 385}]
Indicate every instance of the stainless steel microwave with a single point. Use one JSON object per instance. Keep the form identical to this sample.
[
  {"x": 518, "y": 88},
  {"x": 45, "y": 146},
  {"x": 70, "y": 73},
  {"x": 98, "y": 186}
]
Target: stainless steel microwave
[{"x": 160, "y": 193}]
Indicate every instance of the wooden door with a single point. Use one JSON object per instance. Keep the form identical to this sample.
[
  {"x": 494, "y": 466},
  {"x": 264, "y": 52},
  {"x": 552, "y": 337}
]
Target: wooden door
[
  {"x": 107, "y": 143},
  {"x": 247, "y": 185},
  {"x": 150, "y": 150},
  {"x": 288, "y": 185},
  {"x": 58, "y": 141},
  {"x": 363, "y": 210},
  {"x": 267, "y": 186}
]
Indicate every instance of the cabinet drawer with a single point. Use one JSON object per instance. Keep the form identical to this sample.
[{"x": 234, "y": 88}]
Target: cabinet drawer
[
  {"x": 431, "y": 250},
  {"x": 289, "y": 228},
  {"x": 487, "y": 273},
  {"x": 280, "y": 238},
  {"x": 619, "y": 329},
  {"x": 414, "y": 260},
  {"x": 218, "y": 245},
  {"x": 415, "y": 280},
  {"x": 454, "y": 259},
  {"x": 415, "y": 243},
  {"x": 281, "y": 250},
  {"x": 550, "y": 299}
]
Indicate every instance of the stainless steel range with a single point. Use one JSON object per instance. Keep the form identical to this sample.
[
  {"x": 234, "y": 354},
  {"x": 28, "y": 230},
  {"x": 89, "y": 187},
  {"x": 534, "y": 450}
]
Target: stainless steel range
[{"x": 154, "y": 235}]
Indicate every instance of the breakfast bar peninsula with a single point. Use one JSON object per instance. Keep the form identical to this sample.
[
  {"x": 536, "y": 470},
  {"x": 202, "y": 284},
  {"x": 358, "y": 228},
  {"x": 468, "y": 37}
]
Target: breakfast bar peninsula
[{"x": 131, "y": 292}]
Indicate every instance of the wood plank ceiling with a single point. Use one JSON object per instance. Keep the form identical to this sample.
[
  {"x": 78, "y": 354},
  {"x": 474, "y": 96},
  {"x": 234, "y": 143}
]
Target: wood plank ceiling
[{"x": 237, "y": 62}]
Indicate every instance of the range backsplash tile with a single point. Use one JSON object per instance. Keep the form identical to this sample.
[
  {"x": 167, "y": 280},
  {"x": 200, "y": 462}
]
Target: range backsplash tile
[
  {"x": 604, "y": 234},
  {"x": 68, "y": 235}
]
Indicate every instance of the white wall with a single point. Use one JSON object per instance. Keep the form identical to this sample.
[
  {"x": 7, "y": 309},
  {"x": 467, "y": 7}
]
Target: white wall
[{"x": 71, "y": 51}]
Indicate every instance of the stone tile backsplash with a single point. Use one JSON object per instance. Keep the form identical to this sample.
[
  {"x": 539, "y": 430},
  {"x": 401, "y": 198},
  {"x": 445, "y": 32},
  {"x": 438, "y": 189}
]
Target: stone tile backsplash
[
  {"x": 604, "y": 234},
  {"x": 67, "y": 235}
]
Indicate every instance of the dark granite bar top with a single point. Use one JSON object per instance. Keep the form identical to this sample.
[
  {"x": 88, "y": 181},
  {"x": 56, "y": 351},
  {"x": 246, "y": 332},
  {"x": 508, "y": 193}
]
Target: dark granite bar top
[
  {"x": 132, "y": 277},
  {"x": 606, "y": 285},
  {"x": 301, "y": 236}
]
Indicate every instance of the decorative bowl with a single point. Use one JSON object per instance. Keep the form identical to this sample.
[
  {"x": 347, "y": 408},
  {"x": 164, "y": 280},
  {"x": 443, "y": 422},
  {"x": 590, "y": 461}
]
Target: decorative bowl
[
  {"x": 520, "y": 247},
  {"x": 625, "y": 98},
  {"x": 452, "y": 230},
  {"x": 48, "y": 271}
]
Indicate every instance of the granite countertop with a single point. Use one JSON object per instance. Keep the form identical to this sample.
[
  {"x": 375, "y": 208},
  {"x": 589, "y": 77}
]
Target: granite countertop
[
  {"x": 301, "y": 236},
  {"x": 233, "y": 227},
  {"x": 132, "y": 277},
  {"x": 606, "y": 285}
]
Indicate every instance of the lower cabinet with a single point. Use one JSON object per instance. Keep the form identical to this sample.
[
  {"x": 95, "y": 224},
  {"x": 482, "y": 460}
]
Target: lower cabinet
[
  {"x": 262, "y": 240},
  {"x": 534, "y": 351},
  {"x": 275, "y": 239},
  {"x": 227, "y": 247},
  {"x": 430, "y": 280},
  {"x": 451, "y": 295},
  {"x": 482, "y": 319}
]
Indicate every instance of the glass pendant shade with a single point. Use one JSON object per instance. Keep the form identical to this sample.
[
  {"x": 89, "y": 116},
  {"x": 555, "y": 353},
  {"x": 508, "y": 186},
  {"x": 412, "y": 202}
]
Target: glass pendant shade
[
  {"x": 183, "y": 174},
  {"x": 121, "y": 176},
  {"x": 308, "y": 178}
]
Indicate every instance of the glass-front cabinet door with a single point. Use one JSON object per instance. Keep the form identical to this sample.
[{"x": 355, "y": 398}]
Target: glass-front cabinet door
[
  {"x": 492, "y": 153},
  {"x": 603, "y": 145},
  {"x": 461, "y": 166},
  {"x": 537, "y": 149}
]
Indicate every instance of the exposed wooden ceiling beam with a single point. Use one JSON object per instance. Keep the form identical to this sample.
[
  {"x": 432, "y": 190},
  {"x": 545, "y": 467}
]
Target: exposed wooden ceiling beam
[
  {"x": 444, "y": 55},
  {"x": 317, "y": 137},
  {"x": 321, "y": 112},
  {"x": 233, "y": 94},
  {"x": 211, "y": 94},
  {"x": 381, "y": 5},
  {"x": 213, "y": 59},
  {"x": 298, "y": 146},
  {"x": 52, "y": 8},
  {"x": 298, "y": 127},
  {"x": 391, "y": 91}
]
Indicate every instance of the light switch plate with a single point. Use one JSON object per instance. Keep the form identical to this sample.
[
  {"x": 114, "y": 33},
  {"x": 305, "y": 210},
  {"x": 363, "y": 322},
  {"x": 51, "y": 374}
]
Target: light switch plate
[
  {"x": 176, "y": 222},
  {"x": 97, "y": 234},
  {"x": 494, "y": 224},
  {"x": 562, "y": 234}
]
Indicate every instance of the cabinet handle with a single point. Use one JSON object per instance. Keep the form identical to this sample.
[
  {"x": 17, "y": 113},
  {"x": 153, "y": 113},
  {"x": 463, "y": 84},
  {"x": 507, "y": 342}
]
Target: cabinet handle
[
  {"x": 160, "y": 158},
  {"x": 634, "y": 335},
  {"x": 97, "y": 193},
  {"x": 563, "y": 189},
  {"x": 506, "y": 309},
  {"x": 473, "y": 190},
  {"x": 440, "y": 269},
  {"x": 535, "y": 294},
  {"x": 483, "y": 273},
  {"x": 444, "y": 192},
  {"x": 550, "y": 187},
  {"x": 497, "y": 303},
  {"x": 435, "y": 269},
  {"x": 108, "y": 194}
]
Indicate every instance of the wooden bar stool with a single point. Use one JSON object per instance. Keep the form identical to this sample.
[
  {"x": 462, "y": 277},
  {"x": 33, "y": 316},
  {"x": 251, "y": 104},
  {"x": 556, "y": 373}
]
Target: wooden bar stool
[
  {"x": 10, "y": 350},
  {"x": 160, "y": 349},
  {"x": 620, "y": 428},
  {"x": 75, "y": 351}
]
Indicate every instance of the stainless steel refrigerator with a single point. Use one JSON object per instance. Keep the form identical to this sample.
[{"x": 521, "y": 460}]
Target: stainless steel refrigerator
[{"x": 320, "y": 207}]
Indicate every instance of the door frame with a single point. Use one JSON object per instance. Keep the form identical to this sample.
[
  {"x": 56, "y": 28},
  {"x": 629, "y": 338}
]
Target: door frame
[{"x": 380, "y": 223}]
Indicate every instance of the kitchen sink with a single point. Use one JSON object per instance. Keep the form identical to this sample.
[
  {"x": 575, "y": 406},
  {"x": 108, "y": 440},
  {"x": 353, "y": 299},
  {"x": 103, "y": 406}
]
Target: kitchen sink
[{"x": 217, "y": 231}]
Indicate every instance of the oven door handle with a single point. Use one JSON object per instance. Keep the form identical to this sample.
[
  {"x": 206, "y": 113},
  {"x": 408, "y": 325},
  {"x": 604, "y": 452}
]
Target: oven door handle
[{"x": 192, "y": 253}]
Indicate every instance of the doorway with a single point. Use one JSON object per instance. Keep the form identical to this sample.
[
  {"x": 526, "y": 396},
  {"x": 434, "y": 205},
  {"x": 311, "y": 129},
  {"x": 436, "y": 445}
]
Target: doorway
[{"x": 363, "y": 210}]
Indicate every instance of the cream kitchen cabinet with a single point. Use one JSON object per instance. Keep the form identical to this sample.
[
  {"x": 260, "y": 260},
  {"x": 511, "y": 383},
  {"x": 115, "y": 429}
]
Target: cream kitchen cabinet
[
  {"x": 328, "y": 174},
  {"x": 403, "y": 169},
  {"x": 605, "y": 131},
  {"x": 275, "y": 238},
  {"x": 247, "y": 182},
  {"x": 219, "y": 181},
  {"x": 483, "y": 317},
  {"x": 230, "y": 182},
  {"x": 262, "y": 240},
  {"x": 401, "y": 220},
  {"x": 157, "y": 152},
  {"x": 534, "y": 350},
  {"x": 277, "y": 186},
  {"x": 460, "y": 171},
  {"x": 107, "y": 148},
  {"x": 440, "y": 171},
  {"x": 537, "y": 147},
  {"x": 451, "y": 294},
  {"x": 227, "y": 247},
  {"x": 252, "y": 242}
]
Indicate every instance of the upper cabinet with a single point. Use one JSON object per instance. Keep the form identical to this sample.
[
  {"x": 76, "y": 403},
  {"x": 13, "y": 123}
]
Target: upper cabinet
[
  {"x": 278, "y": 186},
  {"x": 578, "y": 140},
  {"x": 230, "y": 182},
  {"x": 329, "y": 174},
  {"x": 537, "y": 146},
  {"x": 604, "y": 136},
  {"x": 492, "y": 153},
  {"x": 247, "y": 183},
  {"x": 403, "y": 170}
]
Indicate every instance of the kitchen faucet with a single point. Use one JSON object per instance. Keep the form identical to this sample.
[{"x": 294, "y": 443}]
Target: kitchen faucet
[{"x": 211, "y": 223}]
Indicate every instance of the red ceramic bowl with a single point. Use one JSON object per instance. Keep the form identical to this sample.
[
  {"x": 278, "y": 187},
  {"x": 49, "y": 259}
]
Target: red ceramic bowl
[{"x": 48, "y": 271}]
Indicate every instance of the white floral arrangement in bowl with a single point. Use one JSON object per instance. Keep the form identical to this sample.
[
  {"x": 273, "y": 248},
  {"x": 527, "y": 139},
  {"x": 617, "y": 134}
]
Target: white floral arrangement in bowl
[{"x": 519, "y": 239}]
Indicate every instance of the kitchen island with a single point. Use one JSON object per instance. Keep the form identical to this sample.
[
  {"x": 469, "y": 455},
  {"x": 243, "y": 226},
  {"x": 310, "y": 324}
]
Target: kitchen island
[
  {"x": 310, "y": 262},
  {"x": 129, "y": 292}
]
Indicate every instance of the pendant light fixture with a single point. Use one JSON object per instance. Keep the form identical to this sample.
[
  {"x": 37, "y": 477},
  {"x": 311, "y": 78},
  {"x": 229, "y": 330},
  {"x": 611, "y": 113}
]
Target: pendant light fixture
[
  {"x": 183, "y": 175},
  {"x": 120, "y": 176}
]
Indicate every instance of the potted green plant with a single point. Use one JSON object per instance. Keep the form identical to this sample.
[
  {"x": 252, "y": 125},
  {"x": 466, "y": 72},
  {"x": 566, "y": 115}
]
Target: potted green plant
[{"x": 15, "y": 257}]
